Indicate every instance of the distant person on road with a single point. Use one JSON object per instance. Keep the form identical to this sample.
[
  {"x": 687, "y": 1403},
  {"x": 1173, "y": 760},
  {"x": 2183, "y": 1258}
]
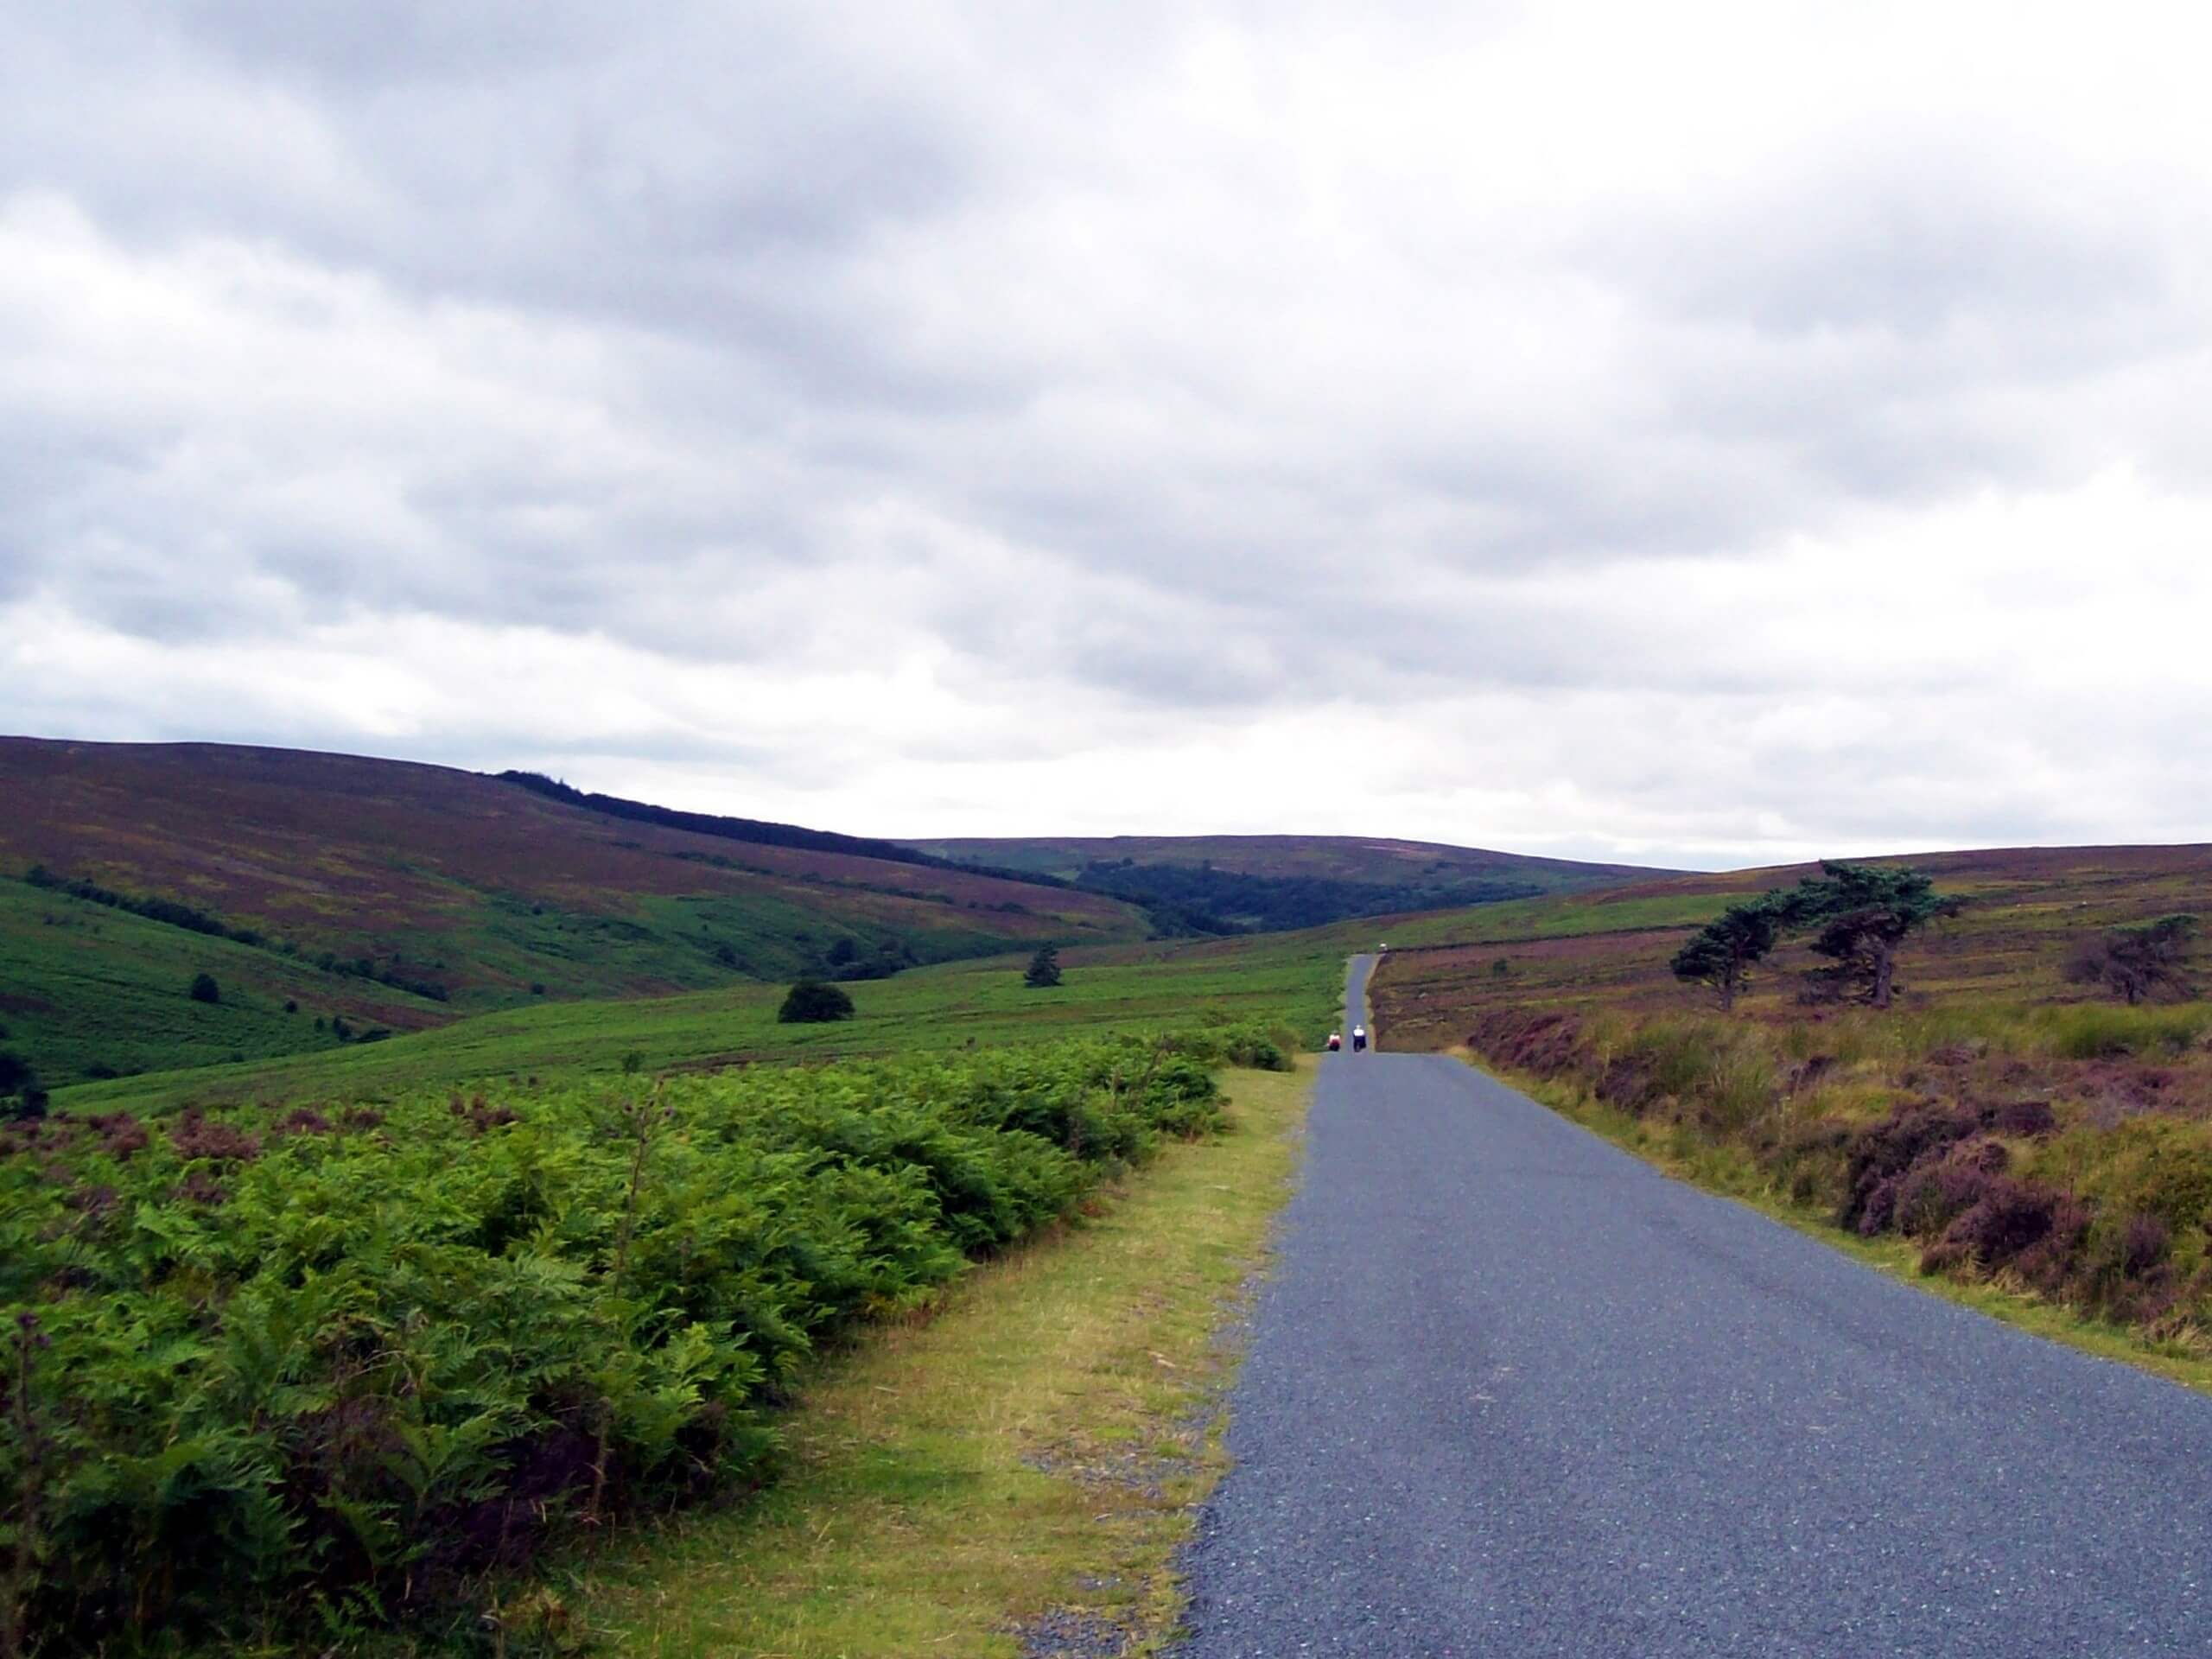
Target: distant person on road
[
  {"x": 1358, "y": 1038},
  {"x": 1336, "y": 1042}
]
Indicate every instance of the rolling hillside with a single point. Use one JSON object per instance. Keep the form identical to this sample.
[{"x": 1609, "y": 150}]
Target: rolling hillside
[
  {"x": 1281, "y": 881},
  {"x": 395, "y": 895}
]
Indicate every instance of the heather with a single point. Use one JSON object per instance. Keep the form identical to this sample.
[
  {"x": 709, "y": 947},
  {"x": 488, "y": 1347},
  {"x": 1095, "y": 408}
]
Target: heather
[
  {"x": 272, "y": 1371},
  {"x": 2063, "y": 1149}
]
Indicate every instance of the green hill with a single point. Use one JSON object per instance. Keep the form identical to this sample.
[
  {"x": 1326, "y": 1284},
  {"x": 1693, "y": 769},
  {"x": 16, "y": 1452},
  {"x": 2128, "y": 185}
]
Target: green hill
[{"x": 396, "y": 896}]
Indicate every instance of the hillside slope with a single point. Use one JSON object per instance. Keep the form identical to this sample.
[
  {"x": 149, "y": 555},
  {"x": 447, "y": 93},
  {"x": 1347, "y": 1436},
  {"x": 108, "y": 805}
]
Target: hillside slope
[
  {"x": 1284, "y": 882},
  {"x": 397, "y": 894}
]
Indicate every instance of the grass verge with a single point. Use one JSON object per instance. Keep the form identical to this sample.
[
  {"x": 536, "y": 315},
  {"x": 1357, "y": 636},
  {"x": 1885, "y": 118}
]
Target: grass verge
[
  {"x": 1680, "y": 1152},
  {"x": 1010, "y": 1477}
]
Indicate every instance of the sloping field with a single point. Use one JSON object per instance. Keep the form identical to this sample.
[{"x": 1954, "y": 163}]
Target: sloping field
[{"x": 429, "y": 879}]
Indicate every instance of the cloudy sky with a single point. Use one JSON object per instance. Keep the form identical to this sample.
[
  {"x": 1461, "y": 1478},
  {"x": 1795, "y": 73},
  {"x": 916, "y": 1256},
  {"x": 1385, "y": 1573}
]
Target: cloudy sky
[{"x": 1705, "y": 433}]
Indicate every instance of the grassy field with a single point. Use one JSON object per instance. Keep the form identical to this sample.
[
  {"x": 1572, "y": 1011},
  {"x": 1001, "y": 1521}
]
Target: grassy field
[
  {"x": 2001, "y": 1127},
  {"x": 1294, "y": 979},
  {"x": 1010, "y": 1476}
]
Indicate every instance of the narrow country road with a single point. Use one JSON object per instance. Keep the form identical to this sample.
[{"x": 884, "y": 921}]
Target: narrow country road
[{"x": 1512, "y": 1394}]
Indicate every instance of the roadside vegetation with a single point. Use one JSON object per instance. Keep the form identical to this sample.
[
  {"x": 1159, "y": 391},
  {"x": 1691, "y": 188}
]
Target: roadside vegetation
[
  {"x": 2011, "y": 1080},
  {"x": 319, "y": 1368},
  {"x": 1007, "y": 1478}
]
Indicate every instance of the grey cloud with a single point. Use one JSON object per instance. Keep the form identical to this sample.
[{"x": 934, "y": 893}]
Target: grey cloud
[{"x": 681, "y": 311}]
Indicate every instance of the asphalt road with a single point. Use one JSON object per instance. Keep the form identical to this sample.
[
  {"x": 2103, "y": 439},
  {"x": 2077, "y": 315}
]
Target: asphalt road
[{"x": 1511, "y": 1393}]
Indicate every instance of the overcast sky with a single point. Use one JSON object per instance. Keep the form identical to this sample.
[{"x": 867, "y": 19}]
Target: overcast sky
[{"x": 1700, "y": 434}]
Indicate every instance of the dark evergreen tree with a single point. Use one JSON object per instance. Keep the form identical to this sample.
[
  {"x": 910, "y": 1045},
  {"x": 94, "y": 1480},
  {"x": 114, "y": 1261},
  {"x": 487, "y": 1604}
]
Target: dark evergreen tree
[
  {"x": 1865, "y": 913},
  {"x": 1044, "y": 970},
  {"x": 1722, "y": 953}
]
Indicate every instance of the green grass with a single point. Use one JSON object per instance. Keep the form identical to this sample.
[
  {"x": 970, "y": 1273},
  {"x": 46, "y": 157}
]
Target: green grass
[
  {"x": 1288, "y": 978},
  {"x": 1035, "y": 1445},
  {"x": 83, "y": 987}
]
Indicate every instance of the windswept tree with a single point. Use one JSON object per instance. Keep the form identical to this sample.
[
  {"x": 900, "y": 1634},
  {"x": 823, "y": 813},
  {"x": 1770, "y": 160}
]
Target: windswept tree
[
  {"x": 1864, "y": 914},
  {"x": 2134, "y": 963},
  {"x": 1722, "y": 953},
  {"x": 1044, "y": 970}
]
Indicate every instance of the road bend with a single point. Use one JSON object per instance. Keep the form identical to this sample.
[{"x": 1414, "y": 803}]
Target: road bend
[{"x": 1511, "y": 1393}]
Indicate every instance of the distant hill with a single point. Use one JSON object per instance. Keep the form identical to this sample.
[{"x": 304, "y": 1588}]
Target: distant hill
[
  {"x": 1217, "y": 883},
  {"x": 394, "y": 895}
]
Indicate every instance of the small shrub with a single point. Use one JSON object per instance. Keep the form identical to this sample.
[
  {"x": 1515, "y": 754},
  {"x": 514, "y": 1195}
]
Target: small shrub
[
  {"x": 121, "y": 1134},
  {"x": 304, "y": 1120},
  {"x": 2010, "y": 1218},
  {"x": 811, "y": 1002},
  {"x": 1880, "y": 1154},
  {"x": 2026, "y": 1118},
  {"x": 204, "y": 988},
  {"x": 1928, "y": 1197},
  {"x": 194, "y": 1135},
  {"x": 2144, "y": 1241}
]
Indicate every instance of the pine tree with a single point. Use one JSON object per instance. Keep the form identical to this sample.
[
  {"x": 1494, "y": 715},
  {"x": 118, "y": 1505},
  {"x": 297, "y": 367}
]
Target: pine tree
[{"x": 1044, "y": 970}]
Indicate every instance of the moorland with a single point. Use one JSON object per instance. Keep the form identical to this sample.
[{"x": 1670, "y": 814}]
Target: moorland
[
  {"x": 408, "y": 1178},
  {"x": 2015, "y": 1116}
]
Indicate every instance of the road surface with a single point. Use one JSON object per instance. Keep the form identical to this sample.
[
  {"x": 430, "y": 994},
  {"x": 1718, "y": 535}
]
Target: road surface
[{"x": 1512, "y": 1394}]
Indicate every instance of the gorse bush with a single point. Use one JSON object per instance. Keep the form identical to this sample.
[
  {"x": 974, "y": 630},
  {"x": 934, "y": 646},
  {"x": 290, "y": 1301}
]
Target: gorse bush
[{"x": 339, "y": 1362}]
